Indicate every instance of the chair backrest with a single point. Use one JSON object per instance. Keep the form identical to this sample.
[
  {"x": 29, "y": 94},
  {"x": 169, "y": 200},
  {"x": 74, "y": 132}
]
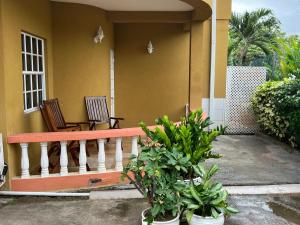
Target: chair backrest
[
  {"x": 46, "y": 118},
  {"x": 52, "y": 114},
  {"x": 97, "y": 110}
]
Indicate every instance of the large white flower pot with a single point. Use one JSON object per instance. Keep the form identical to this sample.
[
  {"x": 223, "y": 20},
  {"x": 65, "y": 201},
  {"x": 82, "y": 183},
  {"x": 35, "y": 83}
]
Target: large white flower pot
[
  {"x": 175, "y": 221},
  {"x": 199, "y": 220}
]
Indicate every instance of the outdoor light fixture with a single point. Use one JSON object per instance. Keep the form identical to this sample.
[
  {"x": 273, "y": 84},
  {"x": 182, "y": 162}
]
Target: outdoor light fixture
[
  {"x": 150, "y": 48},
  {"x": 99, "y": 36}
]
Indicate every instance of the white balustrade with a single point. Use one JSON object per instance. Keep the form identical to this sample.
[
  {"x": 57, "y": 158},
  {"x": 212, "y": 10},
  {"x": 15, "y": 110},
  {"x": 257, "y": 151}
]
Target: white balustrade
[
  {"x": 24, "y": 161},
  {"x": 134, "y": 146},
  {"x": 63, "y": 159},
  {"x": 82, "y": 157},
  {"x": 101, "y": 155},
  {"x": 44, "y": 160},
  {"x": 101, "y": 167},
  {"x": 119, "y": 154}
]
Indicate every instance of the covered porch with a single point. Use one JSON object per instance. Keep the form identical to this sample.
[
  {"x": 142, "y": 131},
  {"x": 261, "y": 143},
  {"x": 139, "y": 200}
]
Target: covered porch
[{"x": 138, "y": 86}]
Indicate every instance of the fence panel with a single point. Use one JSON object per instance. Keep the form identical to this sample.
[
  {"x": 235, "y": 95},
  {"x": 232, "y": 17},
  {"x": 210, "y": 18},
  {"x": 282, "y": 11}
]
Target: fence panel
[{"x": 241, "y": 85}]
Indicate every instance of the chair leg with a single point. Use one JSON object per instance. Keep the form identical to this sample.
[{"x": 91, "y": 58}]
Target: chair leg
[{"x": 74, "y": 153}]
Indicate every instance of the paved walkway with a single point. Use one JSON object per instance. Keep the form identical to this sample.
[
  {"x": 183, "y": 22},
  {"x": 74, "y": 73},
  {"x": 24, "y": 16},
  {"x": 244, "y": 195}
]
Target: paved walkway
[
  {"x": 256, "y": 160},
  {"x": 254, "y": 210}
]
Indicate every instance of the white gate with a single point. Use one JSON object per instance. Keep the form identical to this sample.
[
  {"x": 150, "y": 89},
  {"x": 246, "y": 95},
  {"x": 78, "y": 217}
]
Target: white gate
[{"x": 241, "y": 85}]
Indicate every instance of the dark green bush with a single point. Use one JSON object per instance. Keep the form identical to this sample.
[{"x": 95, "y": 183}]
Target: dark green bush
[{"x": 277, "y": 109}]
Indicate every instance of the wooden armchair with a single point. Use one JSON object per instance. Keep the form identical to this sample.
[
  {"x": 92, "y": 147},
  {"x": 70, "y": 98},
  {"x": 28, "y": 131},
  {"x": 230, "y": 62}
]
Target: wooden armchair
[
  {"x": 55, "y": 122},
  {"x": 97, "y": 112}
]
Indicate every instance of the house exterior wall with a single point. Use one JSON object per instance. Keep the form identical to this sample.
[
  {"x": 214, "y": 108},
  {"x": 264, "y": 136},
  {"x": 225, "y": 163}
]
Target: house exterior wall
[
  {"x": 150, "y": 86},
  {"x": 17, "y": 16},
  {"x": 146, "y": 86},
  {"x": 81, "y": 67}
]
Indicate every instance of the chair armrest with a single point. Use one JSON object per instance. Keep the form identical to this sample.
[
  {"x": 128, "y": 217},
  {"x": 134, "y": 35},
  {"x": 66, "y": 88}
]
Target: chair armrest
[
  {"x": 70, "y": 128},
  {"x": 77, "y": 123},
  {"x": 116, "y": 118}
]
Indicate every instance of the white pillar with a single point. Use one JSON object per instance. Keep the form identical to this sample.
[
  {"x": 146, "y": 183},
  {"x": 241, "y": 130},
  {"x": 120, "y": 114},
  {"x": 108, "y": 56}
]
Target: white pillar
[
  {"x": 63, "y": 158},
  {"x": 82, "y": 157},
  {"x": 44, "y": 160},
  {"x": 119, "y": 154},
  {"x": 134, "y": 146},
  {"x": 101, "y": 156},
  {"x": 24, "y": 161}
]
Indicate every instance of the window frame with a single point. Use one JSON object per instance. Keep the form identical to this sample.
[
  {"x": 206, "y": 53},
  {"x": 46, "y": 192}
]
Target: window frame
[{"x": 32, "y": 72}]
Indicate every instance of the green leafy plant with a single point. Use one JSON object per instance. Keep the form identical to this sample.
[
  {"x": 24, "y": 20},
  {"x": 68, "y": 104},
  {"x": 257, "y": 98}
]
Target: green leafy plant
[
  {"x": 207, "y": 199},
  {"x": 288, "y": 50},
  {"x": 190, "y": 137},
  {"x": 221, "y": 129},
  {"x": 155, "y": 173},
  {"x": 276, "y": 106}
]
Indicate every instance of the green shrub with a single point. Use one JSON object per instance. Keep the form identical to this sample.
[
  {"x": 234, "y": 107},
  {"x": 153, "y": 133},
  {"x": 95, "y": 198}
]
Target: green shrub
[{"x": 276, "y": 106}]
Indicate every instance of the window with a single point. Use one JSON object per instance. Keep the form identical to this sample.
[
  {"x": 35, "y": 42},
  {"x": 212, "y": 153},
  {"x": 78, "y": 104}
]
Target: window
[{"x": 33, "y": 71}]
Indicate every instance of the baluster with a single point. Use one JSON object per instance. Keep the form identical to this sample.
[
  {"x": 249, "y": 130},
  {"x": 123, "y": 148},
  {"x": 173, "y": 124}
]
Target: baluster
[
  {"x": 44, "y": 160},
  {"x": 82, "y": 157},
  {"x": 119, "y": 154},
  {"x": 134, "y": 146},
  {"x": 24, "y": 161},
  {"x": 63, "y": 158},
  {"x": 101, "y": 156}
]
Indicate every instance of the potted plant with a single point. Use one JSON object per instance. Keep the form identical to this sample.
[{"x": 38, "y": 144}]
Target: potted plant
[
  {"x": 191, "y": 137},
  {"x": 206, "y": 203},
  {"x": 154, "y": 174}
]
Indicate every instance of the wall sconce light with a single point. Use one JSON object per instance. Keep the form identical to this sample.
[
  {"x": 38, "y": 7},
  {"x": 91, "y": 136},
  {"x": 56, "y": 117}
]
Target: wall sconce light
[
  {"x": 150, "y": 48},
  {"x": 99, "y": 36}
]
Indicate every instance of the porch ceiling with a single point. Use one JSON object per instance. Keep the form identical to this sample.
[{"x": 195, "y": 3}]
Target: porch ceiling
[
  {"x": 136, "y": 5},
  {"x": 168, "y": 11}
]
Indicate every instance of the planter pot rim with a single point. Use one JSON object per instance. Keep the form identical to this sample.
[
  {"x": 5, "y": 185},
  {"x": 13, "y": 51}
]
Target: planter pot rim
[
  {"x": 208, "y": 217},
  {"x": 161, "y": 222}
]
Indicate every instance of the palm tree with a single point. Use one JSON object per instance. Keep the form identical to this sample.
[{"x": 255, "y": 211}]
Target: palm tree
[{"x": 252, "y": 33}]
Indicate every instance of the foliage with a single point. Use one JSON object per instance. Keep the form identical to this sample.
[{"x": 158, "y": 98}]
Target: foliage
[
  {"x": 288, "y": 51},
  {"x": 155, "y": 173},
  {"x": 277, "y": 109},
  {"x": 251, "y": 35},
  {"x": 221, "y": 129},
  {"x": 206, "y": 199},
  {"x": 189, "y": 137}
]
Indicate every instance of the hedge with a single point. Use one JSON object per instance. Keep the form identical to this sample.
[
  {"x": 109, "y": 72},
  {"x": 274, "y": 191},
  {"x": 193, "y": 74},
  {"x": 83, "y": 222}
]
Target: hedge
[{"x": 276, "y": 105}]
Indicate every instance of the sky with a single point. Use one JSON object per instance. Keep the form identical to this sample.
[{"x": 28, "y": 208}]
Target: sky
[{"x": 287, "y": 11}]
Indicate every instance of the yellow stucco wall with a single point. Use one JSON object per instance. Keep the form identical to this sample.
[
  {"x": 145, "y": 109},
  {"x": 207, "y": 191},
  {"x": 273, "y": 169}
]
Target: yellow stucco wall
[
  {"x": 36, "y": 19},
  {"x": 150, "y": 86},
  {"x": 81, "y": 67}
]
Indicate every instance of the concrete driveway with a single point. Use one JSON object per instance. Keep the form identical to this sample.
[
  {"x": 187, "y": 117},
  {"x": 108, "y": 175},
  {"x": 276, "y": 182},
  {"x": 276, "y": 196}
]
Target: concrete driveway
[
  {"x": 254, "y": 210},
  {"x": 256, "y": 160}
]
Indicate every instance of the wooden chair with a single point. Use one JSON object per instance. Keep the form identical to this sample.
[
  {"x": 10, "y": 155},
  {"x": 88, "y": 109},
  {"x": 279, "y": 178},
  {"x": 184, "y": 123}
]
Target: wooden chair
[
  {"x": 97, "y": 112},
  {"x": 55, "y": 122}
]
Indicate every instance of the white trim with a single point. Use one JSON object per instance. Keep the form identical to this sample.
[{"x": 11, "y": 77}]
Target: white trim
[
  {"x": 34, "y": 72},
  {"x": 112, "y": 83},
  {"x": 217, "y": 112},
  {"x": 213, "y": 57},
  {"x": 233, "y": 190}
]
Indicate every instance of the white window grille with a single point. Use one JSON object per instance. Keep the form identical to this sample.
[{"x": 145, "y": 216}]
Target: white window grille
[{"x": 33, "y": 62}]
